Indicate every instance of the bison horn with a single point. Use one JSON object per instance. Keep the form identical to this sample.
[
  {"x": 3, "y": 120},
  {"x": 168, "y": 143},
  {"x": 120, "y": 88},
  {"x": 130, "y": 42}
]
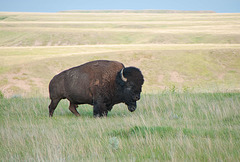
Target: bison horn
[{"x": 123, "y": 78}]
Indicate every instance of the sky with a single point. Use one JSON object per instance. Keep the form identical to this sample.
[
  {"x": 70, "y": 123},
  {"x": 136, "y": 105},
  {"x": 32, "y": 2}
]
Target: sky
[{"x": 220, "y": 6}]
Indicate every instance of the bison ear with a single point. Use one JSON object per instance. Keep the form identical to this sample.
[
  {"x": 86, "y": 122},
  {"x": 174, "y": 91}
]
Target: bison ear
[{"x": 122, "y": 76}]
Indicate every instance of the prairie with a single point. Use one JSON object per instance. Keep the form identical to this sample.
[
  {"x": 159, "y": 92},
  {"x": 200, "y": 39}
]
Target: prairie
[
  {"x": 198, "y": 51},
  {"x": 201, "y": 67},
  {"x": 166, "y": 127},
  {"x": 189, "y": 109}
]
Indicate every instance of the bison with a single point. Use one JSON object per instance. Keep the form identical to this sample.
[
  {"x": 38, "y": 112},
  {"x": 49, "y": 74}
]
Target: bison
[{"x": 99, "y": 83}]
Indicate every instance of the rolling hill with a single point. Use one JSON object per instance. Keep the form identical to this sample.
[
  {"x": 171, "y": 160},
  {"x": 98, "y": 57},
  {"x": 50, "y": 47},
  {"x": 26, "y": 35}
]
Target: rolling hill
[{"x": 187, "y": 51}]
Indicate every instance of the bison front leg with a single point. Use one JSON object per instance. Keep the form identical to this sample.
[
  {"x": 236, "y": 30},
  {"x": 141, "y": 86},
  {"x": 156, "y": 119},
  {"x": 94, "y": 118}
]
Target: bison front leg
[
  {"x": 100, "y": 110},
  {"x": 73, "y": 109},
  {"x": 52, "y": 106}
]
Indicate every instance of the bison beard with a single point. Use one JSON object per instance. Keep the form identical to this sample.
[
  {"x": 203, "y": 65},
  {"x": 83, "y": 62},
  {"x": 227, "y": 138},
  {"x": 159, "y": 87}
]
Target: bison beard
[{"x": 99, "y": 83}]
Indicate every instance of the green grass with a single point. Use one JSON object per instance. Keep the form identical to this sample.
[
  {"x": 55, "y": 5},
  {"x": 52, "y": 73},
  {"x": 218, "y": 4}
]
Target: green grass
[
  {"x": 165, "y": 127},
  {"x": 63, "y": 37}
]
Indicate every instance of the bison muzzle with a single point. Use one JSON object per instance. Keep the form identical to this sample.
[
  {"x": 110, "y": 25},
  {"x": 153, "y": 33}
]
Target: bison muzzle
[{"x": 99, "y": 83}]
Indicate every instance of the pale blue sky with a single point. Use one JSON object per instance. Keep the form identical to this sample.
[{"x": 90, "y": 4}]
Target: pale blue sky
[{"x": 221, "y": 6}]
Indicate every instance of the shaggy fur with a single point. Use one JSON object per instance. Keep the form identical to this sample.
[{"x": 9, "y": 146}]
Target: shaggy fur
[{"x": 98, "y": 83}]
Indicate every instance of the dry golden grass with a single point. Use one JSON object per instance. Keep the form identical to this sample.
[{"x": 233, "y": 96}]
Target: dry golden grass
[
  {"x": 187, "y": 50},
  {"x": 25, "y": 70}
]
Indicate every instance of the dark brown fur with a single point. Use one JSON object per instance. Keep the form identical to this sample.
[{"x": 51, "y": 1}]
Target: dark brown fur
[{"x": 98, "y": 83}]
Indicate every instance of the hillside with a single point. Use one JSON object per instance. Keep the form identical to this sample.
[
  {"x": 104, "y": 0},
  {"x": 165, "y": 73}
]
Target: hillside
[{"x": 182, "y": 51}]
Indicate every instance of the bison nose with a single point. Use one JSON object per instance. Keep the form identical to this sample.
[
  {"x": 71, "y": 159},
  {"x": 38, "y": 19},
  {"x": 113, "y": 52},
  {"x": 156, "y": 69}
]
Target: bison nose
[{"x": 137, "y": 97}]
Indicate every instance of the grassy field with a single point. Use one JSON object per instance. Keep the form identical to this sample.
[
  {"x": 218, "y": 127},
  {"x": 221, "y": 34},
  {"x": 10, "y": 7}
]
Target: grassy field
[
  {"x": 25, "y": 70},
  {"x": 44, "y": 29},
  {"x": 190, "y": 106},
  {"x": 166, "y": 127}
]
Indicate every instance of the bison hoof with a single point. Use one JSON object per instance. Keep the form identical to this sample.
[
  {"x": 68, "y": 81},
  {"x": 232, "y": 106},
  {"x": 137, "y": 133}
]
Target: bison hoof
[{"x": 100, "y": 115}]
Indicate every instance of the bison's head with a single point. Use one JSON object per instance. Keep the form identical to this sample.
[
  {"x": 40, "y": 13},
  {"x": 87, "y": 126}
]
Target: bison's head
[{"x": 131, "y": 80}]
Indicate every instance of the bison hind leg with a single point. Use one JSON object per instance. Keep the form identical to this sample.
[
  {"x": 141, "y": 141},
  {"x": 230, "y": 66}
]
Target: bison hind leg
[
  {"x": 73, "y": 109},
  {"x": 52, "y": 106}
]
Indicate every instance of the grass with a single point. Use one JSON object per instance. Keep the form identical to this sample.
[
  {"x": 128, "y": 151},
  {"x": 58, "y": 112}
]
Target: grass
[
  {"x": 55, "y": 29},
  {"x": 166, "y": 126},
  {"x": 197, "y": 51},
  {"x": 198, "y": 67}
]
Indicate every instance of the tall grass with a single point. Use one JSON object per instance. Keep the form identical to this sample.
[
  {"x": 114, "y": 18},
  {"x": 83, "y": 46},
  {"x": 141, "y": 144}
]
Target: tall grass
[{"x": 167, "y": 126}]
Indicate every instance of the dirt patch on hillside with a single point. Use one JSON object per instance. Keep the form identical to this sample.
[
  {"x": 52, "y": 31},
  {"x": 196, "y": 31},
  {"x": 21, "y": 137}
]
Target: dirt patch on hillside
[
  {"x": 16, "y": 83},
  {"x": 176, "y": 77},
  {"x": 160, "y": 78},
  {"x": 19, "y": 83},
  {"x": 221, "y": 76}
]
